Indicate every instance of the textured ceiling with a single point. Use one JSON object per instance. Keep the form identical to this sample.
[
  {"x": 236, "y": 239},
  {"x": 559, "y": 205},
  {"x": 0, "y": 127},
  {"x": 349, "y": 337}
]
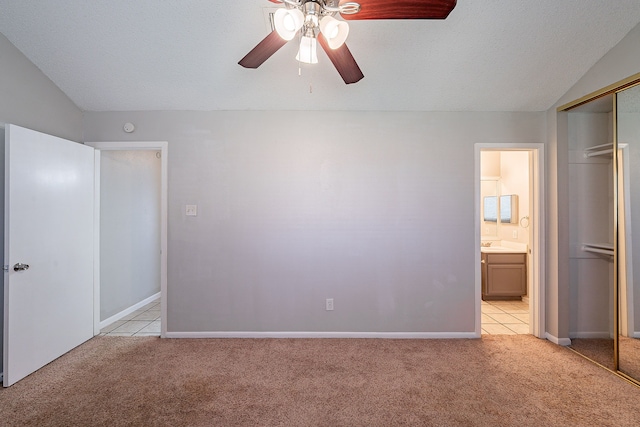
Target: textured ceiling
[{"x": 489, "y": 55}]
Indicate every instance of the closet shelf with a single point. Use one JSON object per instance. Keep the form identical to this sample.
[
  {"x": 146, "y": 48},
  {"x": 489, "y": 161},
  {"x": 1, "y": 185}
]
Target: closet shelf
[
  {"x": 599, "y": 150},
  {"x": 598, "y": 248}
]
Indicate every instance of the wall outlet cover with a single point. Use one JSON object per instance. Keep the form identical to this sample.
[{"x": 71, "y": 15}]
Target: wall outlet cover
[
  {"x": 329, "y": 304},
  {"x": 191, "y": 210}
]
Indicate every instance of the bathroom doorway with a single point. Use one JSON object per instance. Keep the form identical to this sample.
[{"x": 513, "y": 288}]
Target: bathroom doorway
[{"x": 509, "y": 226}]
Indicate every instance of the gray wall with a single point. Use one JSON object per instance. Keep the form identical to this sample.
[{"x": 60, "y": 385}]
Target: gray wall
[
  {"x": 129, "y": 229},
  {"x": 620, "y": 62},
  {"x": 375, "y": 210},
  {"x": 29, "y": 99}
]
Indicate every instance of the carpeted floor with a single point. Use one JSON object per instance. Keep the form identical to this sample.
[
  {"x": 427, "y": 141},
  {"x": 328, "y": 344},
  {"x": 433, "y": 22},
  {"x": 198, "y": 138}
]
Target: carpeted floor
[
  {"x": 513, "y": 380},
  {"x": 597, "y": 349},
  {"x": 601, "y": 351},
  {"x": 630, "y": 356}
]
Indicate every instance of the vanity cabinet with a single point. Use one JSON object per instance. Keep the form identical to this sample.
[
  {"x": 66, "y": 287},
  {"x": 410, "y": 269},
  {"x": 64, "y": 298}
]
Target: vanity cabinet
[{"x": 504, "y": 276}]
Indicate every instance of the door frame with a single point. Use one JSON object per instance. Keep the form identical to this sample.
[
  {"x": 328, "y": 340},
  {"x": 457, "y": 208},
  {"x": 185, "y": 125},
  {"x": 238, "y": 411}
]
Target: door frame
[
  {"x": 163, "y": 147},
  {"x": 537, "y": 222}
]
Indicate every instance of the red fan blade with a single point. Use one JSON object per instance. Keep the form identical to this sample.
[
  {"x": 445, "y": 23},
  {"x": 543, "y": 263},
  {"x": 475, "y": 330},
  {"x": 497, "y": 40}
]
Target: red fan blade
[
  {"x": 263, "y": 51},
  {"x": 343, "y": 61},
  {"x": 402, "y": 9},
  {"x": 275, "y": 1}
]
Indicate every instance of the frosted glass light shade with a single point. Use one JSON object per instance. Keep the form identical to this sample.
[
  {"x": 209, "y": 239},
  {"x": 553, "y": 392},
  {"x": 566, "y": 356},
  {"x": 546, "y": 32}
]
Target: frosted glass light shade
[
  {"x": 334, "y": 31},
  {"x": 288, "y": 22},
  {"x": 308, "y": 52}
]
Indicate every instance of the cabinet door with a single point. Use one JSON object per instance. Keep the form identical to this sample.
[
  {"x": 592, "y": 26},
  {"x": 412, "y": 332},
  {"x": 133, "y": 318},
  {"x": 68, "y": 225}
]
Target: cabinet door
[
  {"x": 506, "y": 280},
  {"x": 483, "y": 271}
]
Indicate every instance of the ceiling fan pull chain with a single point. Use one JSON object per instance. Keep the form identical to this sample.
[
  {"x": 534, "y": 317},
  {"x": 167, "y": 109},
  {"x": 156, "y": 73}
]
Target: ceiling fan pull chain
[{"x": 311, "y": 80}]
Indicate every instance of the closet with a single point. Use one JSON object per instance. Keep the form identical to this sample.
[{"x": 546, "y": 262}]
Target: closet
[
  {"x": 627, "y": 109},
  {"x": 591, "y": 280},
  {"x": 604, "y": 226}
]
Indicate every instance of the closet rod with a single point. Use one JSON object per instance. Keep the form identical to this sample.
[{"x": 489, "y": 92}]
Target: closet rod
[
  {"x": 587, "y": 248},
  {"x": 598, "y": 153},
  {"x": 599, "y": 150}
]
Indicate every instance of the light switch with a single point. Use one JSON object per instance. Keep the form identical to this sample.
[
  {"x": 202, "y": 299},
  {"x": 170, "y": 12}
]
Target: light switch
[{"x": 192, "y": 210}]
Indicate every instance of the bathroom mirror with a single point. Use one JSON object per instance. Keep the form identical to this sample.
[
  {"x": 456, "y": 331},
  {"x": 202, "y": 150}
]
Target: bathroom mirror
[
  {"x": 489, "y": 193},
  {"x": 509, "y": 209},
  {"x": 490, "y": 209},
  {"x": 628, "y": 138}
]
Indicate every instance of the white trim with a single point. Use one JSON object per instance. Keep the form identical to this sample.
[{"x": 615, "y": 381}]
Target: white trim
[
  {"x": 636, "y": 334},
  {"x": 559, "y": 341},
  {"x": 386, "y": 335},
  {"x": 129, "y": 310},
  {"x": 163, "y": 146},
  {"x": 591, "y": 335},
  {"x": 537, "y": 298}
]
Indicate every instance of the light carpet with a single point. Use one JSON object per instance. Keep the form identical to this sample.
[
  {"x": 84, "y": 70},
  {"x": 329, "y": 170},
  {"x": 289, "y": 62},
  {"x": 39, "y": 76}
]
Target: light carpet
[{"x": 494, "y": 381}]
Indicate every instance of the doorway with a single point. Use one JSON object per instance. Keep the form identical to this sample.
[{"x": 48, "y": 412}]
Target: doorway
[
  {"x": 131, "y": 229},
  {"x": 509, "y": 225}
]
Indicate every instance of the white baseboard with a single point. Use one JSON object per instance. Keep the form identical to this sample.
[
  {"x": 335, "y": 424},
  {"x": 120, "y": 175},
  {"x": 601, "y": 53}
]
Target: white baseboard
[
  {"x": 636, "y": 334},
  {"x": 556, "y": 340},
  {"x": 591, "y": 335},
  {"x": 118, "y": 316},
  {"x": 387, "y": 335}
]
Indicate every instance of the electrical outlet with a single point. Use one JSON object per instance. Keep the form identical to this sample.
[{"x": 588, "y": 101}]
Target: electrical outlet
[
  {"x": 191, "y": 210},
  {"x": 329, "y": 304}
]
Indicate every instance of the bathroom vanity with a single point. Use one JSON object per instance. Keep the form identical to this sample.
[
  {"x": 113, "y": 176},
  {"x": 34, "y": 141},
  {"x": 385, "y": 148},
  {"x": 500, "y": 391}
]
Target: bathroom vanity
[{"x": 504, "y": 273}]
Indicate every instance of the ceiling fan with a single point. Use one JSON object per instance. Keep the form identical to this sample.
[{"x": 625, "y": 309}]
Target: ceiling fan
[{"x": 314, "y": 21}]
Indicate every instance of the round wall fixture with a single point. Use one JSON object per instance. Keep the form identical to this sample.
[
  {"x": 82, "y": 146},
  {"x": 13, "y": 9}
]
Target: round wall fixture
[{"x": 128, "y": 127}]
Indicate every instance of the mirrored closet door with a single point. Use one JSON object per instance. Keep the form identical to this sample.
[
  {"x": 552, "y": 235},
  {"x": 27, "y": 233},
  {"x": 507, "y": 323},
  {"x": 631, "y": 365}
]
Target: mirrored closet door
[
  {"x": 591, "y": 230},
  {"x": 628, "y": 254},
  {"x": 604, "y": 226}
]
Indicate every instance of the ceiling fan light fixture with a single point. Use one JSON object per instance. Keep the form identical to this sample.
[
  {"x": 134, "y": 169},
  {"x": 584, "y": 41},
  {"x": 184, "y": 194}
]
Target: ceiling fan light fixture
[
  {"x": 335, "y": 31},
  {"x": 288, "y": 22},
  {"x": 308, "y": 52}
]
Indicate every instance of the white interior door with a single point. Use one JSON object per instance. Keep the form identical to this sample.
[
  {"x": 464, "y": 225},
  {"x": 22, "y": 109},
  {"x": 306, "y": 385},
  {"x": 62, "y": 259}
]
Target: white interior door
[{"x": 49, "y": 204}]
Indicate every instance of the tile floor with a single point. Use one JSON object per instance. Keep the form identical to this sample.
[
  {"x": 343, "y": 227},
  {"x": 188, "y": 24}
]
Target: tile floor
[
  {"x": 505, "y": 317},
  {"x": 143, "y": 322}
]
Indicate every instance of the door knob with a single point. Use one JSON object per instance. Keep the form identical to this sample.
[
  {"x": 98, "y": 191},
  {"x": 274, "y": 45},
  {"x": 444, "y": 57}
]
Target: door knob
[{"x": 20, "y": 267}]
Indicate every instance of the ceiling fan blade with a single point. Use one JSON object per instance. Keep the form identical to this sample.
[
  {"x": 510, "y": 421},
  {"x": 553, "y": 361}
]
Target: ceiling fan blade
[
  {"x": 343, "y": 61},
  {"x": 263, "y": 51},
  {"x": 401, "y": 9},
  {"x": 275, "y": 1}
]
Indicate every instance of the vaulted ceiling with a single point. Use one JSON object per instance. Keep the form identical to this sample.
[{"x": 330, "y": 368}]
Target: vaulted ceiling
[{"x": 488, "y": 55}]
